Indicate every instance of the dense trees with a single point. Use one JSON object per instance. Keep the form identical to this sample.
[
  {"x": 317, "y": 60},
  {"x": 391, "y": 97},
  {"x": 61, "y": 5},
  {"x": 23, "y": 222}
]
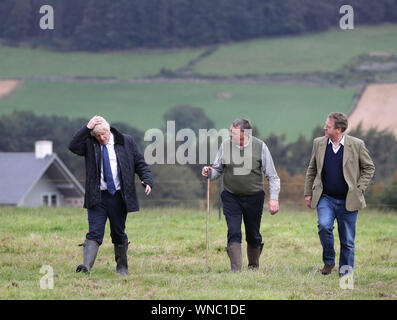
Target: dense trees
[
  {"x": 176, "y": 183},
  {"x": 124, "y": 24}
]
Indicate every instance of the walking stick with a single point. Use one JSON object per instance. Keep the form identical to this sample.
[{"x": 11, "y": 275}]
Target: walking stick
[{"x": 207, "y": 220}]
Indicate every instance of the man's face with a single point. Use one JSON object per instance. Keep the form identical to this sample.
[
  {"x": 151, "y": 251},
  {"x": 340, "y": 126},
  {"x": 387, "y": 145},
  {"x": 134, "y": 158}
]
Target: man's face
[
  {"x": 102, "y": 137},
  {"x": 329, "y": 129},
  {"x": 236, "y": 135}
]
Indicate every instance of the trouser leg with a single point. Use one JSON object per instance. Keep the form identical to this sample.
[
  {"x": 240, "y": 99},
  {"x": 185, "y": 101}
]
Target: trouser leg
[
  {"x": 326, "y": 217},
  {"x": 252, "y": 215},
  {"x": 96, "y": 228},
  {"x": 347, "y": 232},
  {"x": 233, "y": 216},
  {"x": 97, "y": 217},
  {"x": 117, "y": 214}
]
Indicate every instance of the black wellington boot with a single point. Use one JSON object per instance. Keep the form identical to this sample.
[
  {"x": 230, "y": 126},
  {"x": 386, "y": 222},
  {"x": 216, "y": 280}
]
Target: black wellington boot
[
  {"x": 90, "y": 252},
  {"x": 120, "y": 255}
]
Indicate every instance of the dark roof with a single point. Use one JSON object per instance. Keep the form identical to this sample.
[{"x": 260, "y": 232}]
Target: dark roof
[{"x": 19, "y": 171}]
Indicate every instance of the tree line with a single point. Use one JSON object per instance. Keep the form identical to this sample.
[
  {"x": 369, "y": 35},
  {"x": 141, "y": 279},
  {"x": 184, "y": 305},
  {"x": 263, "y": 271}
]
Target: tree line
[
  {"x": 127, "y": 24},
  {"x": 183, "y": 184}
]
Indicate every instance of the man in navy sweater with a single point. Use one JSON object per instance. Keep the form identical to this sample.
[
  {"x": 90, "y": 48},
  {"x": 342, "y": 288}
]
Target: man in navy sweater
[{"x": 339, "y": 171}]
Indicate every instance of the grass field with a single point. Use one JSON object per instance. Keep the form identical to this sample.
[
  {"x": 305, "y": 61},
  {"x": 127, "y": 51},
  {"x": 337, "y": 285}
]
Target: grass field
[
  {"x": 167, "y": 258},
  {"x": 324, "y": 51},
  {"x": 25, "y": 62},
  {"x": 279, "y": 109}
]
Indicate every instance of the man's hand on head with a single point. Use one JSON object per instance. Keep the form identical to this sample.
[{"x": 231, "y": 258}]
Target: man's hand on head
[{"x": 94, "y": 121}]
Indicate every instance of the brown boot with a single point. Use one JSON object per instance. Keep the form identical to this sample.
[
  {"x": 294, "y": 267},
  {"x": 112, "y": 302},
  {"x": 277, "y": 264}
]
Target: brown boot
[
  {"x": 253, "y": 255},
  {"x": 327, "y": 269},
  {"x": 233, "y": 250}
]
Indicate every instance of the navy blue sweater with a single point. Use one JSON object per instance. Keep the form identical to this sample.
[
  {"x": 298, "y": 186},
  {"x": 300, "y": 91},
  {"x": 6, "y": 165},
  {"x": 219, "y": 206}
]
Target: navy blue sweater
[{"x": 334, "y": 183}]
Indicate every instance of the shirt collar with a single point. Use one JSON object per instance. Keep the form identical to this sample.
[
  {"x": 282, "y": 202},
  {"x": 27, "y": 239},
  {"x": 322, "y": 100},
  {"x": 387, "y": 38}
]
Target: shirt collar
[{"x": 342, "y": 142}]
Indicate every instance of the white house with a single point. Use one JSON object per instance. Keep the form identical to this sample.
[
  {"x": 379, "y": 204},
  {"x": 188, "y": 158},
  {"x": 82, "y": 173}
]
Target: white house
[{"x": 36, "y": 179}]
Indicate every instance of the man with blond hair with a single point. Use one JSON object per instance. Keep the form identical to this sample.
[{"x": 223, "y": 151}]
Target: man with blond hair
[
  {"x": 339, "y": 171},
  {"x": 111, "y": 160}
]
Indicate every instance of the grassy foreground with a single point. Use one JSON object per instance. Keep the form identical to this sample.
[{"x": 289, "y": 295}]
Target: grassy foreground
[{"x": 167, "y": 258}]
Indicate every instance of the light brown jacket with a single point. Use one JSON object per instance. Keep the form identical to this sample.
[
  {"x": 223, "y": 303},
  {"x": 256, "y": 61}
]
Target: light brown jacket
[{"x": 358, "y": 170}]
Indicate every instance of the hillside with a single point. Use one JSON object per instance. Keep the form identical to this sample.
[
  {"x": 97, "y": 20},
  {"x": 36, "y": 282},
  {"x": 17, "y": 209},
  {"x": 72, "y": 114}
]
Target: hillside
[
  {"x": 328, "y": 51},
  {"x": 324, "y": 51},
  {"x": 138, "y": 87},
  {"x": 376, "y": 108},
  {"x": 278, "y": 109},
  {"x": 16, "y": 62}
]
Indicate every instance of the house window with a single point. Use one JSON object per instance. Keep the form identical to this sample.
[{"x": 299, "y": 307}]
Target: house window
[
  {"x": 50, "y": 200},
  {"x": 53, "y": 200},
  {"x": 45, "y": 200}
]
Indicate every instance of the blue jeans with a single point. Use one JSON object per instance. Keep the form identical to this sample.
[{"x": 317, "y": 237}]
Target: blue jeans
[{"x": 328, "y": 209}]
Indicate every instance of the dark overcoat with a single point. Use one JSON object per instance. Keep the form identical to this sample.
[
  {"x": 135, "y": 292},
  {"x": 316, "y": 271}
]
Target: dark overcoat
[{"x": 129, "y": 161}]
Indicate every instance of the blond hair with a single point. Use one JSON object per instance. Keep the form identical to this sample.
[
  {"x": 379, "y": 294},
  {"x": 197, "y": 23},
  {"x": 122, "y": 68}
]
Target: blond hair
[{"x": 101, "y": 128}]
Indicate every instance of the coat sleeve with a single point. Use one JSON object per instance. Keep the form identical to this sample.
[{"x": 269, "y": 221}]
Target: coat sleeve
[
  {"x": 367, "y": 168},
  {"x": 141, "y": 167},
  {"x": 311, "y": 172},
  {"x": 78, "y": 144}
]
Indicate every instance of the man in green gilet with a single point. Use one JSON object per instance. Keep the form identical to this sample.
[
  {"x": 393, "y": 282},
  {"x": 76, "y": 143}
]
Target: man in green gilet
[{"x": 243, "y": 160}]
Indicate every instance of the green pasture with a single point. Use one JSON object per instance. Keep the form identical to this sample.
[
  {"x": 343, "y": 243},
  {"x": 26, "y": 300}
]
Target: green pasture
[
  {"x": 167, "y": 257},
  {"x": 26, "y": 62},
  {"x": 325, "y": 51},
  {"x": 288, "y": 109}
]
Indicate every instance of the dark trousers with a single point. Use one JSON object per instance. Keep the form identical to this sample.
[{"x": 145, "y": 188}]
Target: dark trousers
[
  {"x": 247, "y": 208},
  {"x": 112, "y": 207}
]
